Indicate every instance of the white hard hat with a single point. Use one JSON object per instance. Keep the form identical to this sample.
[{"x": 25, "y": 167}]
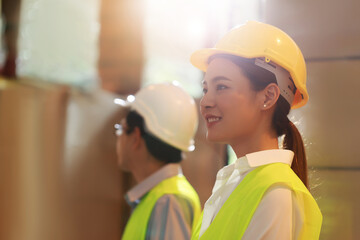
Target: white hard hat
[{"x": 169, "y": 112}]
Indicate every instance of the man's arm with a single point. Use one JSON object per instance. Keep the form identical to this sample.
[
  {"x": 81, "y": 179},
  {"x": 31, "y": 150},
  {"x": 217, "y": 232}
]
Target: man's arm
[{"x": 171, "y": 218}]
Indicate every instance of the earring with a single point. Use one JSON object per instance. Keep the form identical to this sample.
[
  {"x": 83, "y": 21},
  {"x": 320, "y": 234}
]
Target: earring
[{"x": 264, "y": 105}]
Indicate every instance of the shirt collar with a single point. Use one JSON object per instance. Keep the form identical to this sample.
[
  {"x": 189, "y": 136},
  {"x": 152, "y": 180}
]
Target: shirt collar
[
  {"x": 261, "y": 158},
  {"x": 137, "y": 192},
  {"x": 256, "y": 159}
]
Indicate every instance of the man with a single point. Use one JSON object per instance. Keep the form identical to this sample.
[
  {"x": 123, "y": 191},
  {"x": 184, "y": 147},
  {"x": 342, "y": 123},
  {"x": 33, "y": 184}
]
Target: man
[{"x": 161, "y": 123}]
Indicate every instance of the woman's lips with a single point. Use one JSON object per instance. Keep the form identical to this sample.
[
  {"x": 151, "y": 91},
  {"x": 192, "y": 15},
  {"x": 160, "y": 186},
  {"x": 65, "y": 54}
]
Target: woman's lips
[{"x": 212, "y": 120}]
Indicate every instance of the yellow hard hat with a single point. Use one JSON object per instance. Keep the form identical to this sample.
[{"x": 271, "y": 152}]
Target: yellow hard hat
[{"x": 260, "y": 40}]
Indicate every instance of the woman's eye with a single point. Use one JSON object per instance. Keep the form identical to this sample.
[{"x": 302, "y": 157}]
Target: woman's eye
[
  {"x": 221, "y": 87},
  {"x": 204, "y": 90}
]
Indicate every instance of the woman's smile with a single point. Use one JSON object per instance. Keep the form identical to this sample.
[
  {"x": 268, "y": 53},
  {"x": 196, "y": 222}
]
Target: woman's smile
[{"x": 211, "y": 120}]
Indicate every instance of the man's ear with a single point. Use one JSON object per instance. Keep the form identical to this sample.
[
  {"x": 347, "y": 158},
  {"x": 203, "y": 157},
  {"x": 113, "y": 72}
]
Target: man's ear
[
  {"x": 270, "y": 96},
  {"x": 136, "y": 138}
]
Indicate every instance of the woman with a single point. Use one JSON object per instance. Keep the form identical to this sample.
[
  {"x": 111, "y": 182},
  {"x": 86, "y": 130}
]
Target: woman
[{"x": 253, "y": 76}]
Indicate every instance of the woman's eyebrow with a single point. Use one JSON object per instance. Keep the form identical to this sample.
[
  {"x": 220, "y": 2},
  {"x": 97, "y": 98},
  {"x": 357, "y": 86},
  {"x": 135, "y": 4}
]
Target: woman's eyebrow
[{"x": 216, "y": 79}]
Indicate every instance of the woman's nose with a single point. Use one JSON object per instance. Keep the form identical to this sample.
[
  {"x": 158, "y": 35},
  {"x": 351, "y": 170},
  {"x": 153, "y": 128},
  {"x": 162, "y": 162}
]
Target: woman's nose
[{"x": 207, "y": 101}]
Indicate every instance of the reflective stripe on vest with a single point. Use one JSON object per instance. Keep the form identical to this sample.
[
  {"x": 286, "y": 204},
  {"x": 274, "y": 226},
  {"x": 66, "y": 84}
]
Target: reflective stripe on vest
[
  {"x": 236, "y": 213},
  {"x": 178, "y": 185}
]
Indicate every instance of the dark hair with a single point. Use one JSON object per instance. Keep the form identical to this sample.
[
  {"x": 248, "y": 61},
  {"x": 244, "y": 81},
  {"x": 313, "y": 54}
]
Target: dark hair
[
  {"x": 157, "y": 148},
  {"x": 259, "y": 79}
]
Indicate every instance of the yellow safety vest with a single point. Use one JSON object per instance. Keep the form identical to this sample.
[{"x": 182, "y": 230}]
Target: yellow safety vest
[
  {"x": 236, "y": 213},
  {"x": 137, "y": 225}
]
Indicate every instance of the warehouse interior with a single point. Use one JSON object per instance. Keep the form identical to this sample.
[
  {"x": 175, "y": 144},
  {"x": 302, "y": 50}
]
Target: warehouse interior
[{"x": 63, "y": 62}]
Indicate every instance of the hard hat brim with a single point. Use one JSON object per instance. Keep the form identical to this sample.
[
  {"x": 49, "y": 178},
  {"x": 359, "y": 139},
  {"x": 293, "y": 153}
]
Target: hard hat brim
[
  {"x": 125, "y": 106},
  {"x": 122, "y": 103},
  {"x": 200, "y": 58}
]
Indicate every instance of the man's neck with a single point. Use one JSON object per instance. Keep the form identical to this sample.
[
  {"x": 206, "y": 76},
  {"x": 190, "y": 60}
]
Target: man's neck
[{"x": 146, "y": 168}]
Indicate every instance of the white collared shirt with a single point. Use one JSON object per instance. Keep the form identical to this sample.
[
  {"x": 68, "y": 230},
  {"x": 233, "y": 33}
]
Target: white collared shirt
[{"x": 277, "y": 215}]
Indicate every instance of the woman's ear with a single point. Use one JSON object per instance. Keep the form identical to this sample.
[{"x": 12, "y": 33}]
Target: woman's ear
[{"x": 270, "y": 95}]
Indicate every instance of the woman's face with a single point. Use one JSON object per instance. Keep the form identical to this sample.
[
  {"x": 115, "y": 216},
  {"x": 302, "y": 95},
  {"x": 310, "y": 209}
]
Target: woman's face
[{"x": 229, "y": 106}]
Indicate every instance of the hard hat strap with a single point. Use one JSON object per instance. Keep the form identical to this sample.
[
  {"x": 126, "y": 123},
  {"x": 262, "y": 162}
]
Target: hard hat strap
[{"x": 283, "y": 78}]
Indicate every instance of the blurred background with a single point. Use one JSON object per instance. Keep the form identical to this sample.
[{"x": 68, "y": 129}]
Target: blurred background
[{"x": 62, "y": 62}]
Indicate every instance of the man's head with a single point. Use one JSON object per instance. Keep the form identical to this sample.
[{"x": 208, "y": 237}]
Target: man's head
[{"x": 163, "y": 120}]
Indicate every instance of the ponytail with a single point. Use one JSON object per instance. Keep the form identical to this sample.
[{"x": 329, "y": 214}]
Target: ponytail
[
  {"x": 294, "y": 142},
  {"x": 292, "y": 139}
]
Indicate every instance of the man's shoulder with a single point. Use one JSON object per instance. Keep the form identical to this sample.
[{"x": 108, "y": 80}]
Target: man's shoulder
[{"x": 174, "y": 200}]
